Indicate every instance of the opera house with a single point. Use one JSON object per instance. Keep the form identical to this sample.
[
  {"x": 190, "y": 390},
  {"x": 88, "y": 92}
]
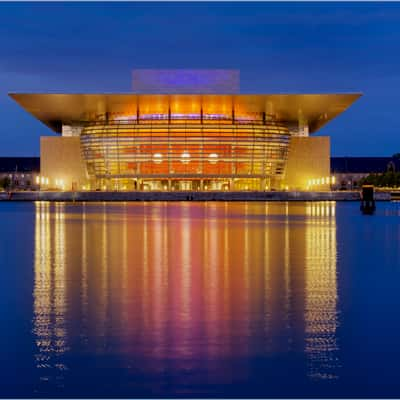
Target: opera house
[{"x": 185, "y": 141}]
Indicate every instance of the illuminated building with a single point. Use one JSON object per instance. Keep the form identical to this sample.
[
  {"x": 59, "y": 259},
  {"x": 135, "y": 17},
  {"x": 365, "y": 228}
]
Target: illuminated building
[
  {"x": 201, "y": 141},
  {"x": 348, "y": 171},
  {"x": 19, "y": 172}
]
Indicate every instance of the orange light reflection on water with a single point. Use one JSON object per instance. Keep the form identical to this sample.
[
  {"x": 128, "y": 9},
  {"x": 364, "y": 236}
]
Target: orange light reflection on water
[{"x": 178, "y": 285}]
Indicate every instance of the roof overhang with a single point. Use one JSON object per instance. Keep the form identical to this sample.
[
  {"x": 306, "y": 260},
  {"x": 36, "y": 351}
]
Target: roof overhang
[{"x": 54, "y": 110}]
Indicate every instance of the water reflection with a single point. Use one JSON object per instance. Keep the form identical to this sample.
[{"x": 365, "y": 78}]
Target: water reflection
[
  {"x": 178, "y": 292},
  {"x": 321, "y": 291},
  {"x": 50, "y": 292}
]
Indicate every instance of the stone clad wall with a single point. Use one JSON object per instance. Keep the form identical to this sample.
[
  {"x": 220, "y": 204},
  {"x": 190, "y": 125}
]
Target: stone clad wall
[
  {"x": 309, "y": 158},
  {"x": 60, "y": 159}
]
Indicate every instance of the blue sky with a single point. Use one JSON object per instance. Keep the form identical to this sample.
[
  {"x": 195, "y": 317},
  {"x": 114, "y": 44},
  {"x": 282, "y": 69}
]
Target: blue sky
[{"x": 278, "y": 47}]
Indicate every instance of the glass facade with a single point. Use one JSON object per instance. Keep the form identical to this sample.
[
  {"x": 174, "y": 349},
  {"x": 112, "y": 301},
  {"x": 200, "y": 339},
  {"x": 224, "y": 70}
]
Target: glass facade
[{"x": 198, "y": 153}]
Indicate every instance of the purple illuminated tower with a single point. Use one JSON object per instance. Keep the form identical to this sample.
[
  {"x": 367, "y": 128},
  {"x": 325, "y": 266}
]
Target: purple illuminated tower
[{"x": 186, "y": 81}]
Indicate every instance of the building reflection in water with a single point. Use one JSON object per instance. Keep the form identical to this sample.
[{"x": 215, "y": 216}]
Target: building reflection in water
[
  {"x": 178, "y": 287},
  {"x": 50, "y": 301},
  {"x": 321, "y": 291}
]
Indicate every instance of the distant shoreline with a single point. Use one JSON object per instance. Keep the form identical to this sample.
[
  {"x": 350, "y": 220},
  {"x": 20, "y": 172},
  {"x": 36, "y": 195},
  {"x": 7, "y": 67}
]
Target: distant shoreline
[{"x": 188, "y": 196}]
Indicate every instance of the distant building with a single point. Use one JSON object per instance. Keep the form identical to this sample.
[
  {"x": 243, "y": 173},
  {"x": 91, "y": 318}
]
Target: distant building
[
  {"x": 349, "y": 170},
  {"x": 22, "y": 172}
]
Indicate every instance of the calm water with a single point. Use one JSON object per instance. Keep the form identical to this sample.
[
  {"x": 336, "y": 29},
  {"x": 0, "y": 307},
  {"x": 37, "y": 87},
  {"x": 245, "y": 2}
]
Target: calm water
[{"x": 199, "y": 299}]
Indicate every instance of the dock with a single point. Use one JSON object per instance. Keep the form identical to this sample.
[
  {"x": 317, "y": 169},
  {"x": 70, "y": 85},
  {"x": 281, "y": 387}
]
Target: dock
[{"x": 88, "y": 196}]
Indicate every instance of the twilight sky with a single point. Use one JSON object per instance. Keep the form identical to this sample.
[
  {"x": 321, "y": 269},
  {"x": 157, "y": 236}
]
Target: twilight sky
[{"x": 278, "y": 47}]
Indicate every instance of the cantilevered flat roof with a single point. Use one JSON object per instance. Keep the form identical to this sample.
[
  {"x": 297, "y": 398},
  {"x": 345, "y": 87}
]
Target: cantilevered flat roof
[{"x": 54, "y": 110}]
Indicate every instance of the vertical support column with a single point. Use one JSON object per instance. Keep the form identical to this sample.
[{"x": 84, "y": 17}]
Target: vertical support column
[
  {"x": 233, "y": 146},
  {"x": 138, "y": 169},
  {"x": 263, "y": 183},
  {"x": 303, "y": 125},
  {"x": 137, "y": 145},
  {"x": 202, "y": 149},
  {"x": 201, "y": 184},
  {"x": 202, "y": 144},
  {"x": 252, "y": 152},
  {"x": 118, "y": 153},
  {"x": 270, "y": 110},
  {"x": 169, "y": 150}
]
